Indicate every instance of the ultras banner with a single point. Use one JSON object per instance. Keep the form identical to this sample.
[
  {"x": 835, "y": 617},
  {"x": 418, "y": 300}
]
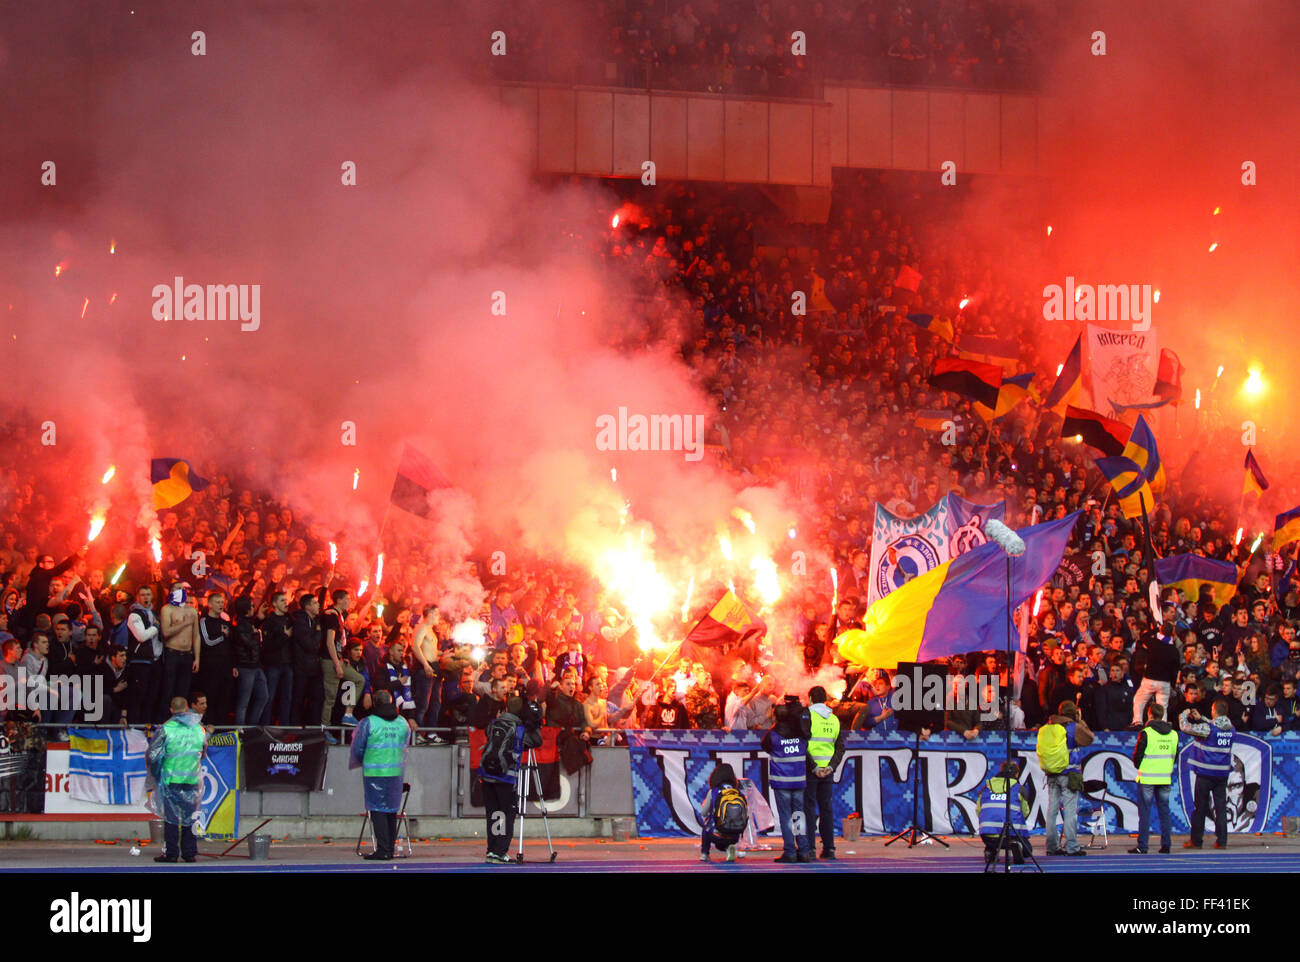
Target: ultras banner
[{"x": 670, "y": 775}]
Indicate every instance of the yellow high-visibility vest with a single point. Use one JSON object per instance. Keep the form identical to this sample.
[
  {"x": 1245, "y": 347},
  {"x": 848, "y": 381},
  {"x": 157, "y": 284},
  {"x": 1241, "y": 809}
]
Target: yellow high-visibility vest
[{"x": 1157, "y": 766}]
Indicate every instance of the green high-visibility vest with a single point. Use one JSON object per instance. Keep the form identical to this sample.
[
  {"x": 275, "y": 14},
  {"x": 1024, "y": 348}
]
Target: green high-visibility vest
[
  {"x": 385, "y": 747},
  {"x": 184, "y": 748},
  {"x": 1157, "y": 766},
  {"x": 821, "y": 746}
]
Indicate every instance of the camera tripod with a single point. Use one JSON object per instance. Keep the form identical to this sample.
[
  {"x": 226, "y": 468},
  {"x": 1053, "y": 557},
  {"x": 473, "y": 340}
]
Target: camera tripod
[
  {"x": 914, "y": 833},
  {"x": 530, "y": 775}
]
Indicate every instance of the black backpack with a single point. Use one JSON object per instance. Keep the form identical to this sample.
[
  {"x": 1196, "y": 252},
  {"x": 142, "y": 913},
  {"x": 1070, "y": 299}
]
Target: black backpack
[
  {"x": 731, "y": 811},
  {"x": 499, "y": 756}
]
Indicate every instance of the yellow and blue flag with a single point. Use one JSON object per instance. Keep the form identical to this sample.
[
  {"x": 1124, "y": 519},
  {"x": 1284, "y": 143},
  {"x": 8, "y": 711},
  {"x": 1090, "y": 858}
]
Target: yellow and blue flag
[
  {"x": 107, "y": 766},
  {"x": 1191, "y": 574},
  {"x": 1068, "y": 382},
  {"x": 1130, "y": 484},
  {"x": 1141, "y": 449},
  {"x": 173, "y": 481},
  {"x": 935, "y": 325},
  {"x": 1255, "y": 480},
  {"x": 1286, "y": 528},
  {"x": 990, "y": 349},
  {"x": 959, "y": 606}
]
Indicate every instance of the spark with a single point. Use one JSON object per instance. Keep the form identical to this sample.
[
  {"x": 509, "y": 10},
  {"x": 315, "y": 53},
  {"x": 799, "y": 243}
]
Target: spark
[
  {"x": 1078, "y": 437},
  {"x": 1078, "y": 293},
  {"x": 361, "y": 589},
  {"x": 613, "y": 223},
  {"x": 613, "y": 475},
  {"x": 1059, "y": 368},
  {"x": 379, "y": 570},
  {"x": 1049, "y": 230},
  {"x": 113, "y": 580},
  {"x": 1240, "y": 532},
  {"x": 961, "y": 305},
  {"x": 1198, "y": 399},
  {"x": 84, "y": 304},
  {"x": 108, "y": 475},
  {"x": 1156, "y": 296},
  {"x": 59, "y": 268},
  {"x": 1220, "y": 372},
  {"x": 793, "y": 534},
  {"x": 113, "y": 299},
  {"x": 112, "y": 247},
  {"x": 356, "y": 478},
  {"x": 1038, "y": 600},
  {"x": 1214, "y": 246},
  {"x": 1216, "y": 211}
]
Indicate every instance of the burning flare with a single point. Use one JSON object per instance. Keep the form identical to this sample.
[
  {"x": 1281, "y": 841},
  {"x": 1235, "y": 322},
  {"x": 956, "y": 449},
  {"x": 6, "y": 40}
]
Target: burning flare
[
  {"x": 96, "y": 526},
  {"x": 108, "y": 475}
]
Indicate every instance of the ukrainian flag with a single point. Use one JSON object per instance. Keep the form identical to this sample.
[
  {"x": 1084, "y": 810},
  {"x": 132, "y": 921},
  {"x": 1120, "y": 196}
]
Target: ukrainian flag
[
  {"x": 932, "y": 420},
  {"x": 959, "y": 606},
  {"x": 1255, "y": 480},
  {"x": 935, "y": 325},
  {"x": 1191, "y": 573},
  {"x": 173, "y": 482},
  {"x": 1129, "y": 483},
  {"x": 1286, "y": 528},
  {"x": 1141, "y": 450},
  {"x": 991, "y": 349},
  {"x": 1068, "y": 382}
]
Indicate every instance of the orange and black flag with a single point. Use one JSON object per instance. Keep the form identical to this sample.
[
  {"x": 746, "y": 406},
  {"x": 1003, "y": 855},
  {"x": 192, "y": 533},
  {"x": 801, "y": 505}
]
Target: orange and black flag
[
  {"x": 971, "y": 379},
  {"x": 1107, "y": 436},
  {"x": 730, "y": 620}
]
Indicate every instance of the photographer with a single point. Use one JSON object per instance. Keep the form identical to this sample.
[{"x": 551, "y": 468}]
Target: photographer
[{"x": 508, "y": 737}]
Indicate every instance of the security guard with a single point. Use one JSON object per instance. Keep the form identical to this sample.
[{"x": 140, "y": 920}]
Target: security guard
[
  {"x": 1154, "y": 757},
  {"x": 173, "y": 760},
  {"x": 992, "y": 810},
  {"x": 825, "y": 749},
  {"x": 1210, "y": 758},
  {"x": 379, "y": 750}
]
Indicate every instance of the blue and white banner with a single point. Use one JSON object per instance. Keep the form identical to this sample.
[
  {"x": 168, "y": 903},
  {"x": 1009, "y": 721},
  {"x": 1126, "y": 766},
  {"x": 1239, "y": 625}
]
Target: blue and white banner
[
  {"x": 670, "y": 776},
  {"x": 902, "y": 548}
]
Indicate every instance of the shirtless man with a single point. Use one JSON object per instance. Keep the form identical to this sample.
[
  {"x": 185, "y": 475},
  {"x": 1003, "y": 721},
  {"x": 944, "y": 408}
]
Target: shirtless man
[
  {"x": 424, "y": 672},
  {"x": 180, "y": 631}
]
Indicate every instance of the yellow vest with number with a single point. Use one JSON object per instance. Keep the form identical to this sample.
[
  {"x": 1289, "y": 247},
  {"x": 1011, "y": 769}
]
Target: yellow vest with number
[
  {"x": 1157, "y": 766},
  {"x": 821, "y": 746}
]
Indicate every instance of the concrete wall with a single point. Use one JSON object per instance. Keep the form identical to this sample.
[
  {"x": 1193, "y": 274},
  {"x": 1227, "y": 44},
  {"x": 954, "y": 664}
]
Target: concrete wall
[{"x": 698, "y": 136}]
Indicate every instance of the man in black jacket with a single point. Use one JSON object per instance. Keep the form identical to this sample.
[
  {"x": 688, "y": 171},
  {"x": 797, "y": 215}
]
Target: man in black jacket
[
  {"x": 308, "y": 681},
  {"x": 278, "y": 660},
  {"x": 1113, "y": 701},
  {"x": 1161, "y": 670}
]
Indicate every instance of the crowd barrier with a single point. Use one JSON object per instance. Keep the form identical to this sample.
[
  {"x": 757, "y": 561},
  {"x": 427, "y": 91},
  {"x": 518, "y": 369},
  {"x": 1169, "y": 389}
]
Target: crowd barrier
[{"x": 661, "y": 777}]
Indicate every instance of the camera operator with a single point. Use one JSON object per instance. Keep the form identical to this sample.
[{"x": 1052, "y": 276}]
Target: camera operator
[{"x": 499, "y": 773}]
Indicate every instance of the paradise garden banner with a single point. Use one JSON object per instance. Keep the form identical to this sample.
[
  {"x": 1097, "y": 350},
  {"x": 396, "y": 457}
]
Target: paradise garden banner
[{"x": 670, "y": 775}]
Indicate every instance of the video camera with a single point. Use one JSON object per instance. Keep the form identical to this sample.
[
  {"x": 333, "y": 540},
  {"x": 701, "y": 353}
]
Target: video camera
[{"x": 531, "y": 715}]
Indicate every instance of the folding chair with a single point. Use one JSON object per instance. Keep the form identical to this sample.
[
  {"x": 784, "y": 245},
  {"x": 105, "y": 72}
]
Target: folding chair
[
  {"x": 403, "y": 827},
  {"x": 1097, "y": 827}
]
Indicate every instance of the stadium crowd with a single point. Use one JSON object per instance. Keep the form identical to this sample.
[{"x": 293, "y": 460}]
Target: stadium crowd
[
  {"x": 273, "y": 633},
  {"x": 745, "y": 47}
]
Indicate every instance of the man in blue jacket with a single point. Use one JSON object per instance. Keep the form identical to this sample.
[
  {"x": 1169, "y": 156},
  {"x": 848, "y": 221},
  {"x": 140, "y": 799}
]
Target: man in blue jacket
[{"x": 787, "y": 748}]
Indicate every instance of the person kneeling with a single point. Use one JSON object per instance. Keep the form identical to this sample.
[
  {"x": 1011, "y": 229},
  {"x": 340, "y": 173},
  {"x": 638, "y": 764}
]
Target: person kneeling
[
  {"x": 724, "y": 814},
  {"x": 992, "y": 812}
]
